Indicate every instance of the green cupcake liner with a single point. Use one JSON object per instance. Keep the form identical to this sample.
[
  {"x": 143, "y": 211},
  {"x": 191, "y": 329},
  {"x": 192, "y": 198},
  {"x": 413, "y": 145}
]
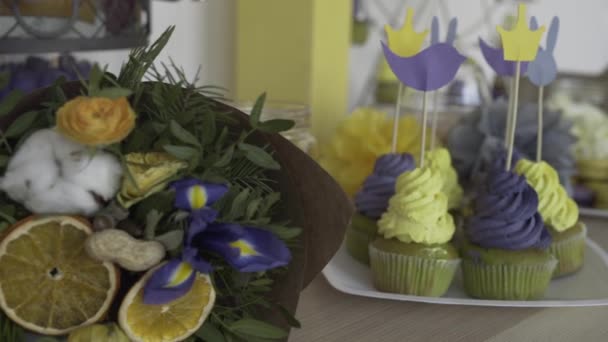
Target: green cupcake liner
[
  {"x": 570, "y": 253},
  {"x": 357, "y": 245},
  {"x": 412, "y": 275},
  {"x": 507, "y": 281}
]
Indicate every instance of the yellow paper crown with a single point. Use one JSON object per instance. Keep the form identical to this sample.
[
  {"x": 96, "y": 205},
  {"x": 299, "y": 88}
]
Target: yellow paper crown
[
  {"x": 520, "y": 44},
  {"x": 405, "y": 42}
]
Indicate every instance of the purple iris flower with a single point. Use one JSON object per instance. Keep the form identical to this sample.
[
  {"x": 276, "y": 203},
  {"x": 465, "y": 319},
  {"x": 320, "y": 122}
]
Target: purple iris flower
[
  {"x": 247, "y": 249},
  {"x": 193, "y": 194},
  {"x": 169, "y": 282}
]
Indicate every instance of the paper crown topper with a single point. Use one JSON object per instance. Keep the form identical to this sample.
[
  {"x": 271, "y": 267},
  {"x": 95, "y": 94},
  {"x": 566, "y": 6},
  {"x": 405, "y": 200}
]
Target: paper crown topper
[
  {"x": 520, "y": 44},
  {"x": 429, "y": 70},
  {"x": 495, "y": 57},
  {"x": 450, "y": 36},
  {"x": 543, "y": 69},
  {"x": 406, "y": 41}
]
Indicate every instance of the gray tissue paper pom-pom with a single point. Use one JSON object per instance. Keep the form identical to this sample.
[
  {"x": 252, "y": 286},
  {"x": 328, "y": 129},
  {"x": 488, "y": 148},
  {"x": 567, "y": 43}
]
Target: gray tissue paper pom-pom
[{"x": 476, "y": 139}]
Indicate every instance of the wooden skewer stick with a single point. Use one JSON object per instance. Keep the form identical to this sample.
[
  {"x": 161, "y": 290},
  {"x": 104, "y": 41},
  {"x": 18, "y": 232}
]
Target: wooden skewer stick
[
  {"x": 539, "y": 135},
  {"x": 509, "y": 113},
  {"x": 424, "y": 119},
  {"x": 396, "y": 118},
  {"x": 434, "y": 119},
  {"x": 514, "y": 118}
]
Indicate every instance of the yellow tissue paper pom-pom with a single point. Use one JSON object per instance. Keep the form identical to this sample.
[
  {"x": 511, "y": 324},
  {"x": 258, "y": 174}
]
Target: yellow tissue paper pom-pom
[{"x": 360, "y": 139}]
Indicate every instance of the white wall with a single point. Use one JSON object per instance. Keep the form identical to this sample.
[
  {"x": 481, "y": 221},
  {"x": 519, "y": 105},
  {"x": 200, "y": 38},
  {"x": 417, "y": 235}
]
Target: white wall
[
  {"x": 202, "y": 37},
  {"x": 580, "y": 48},
  {"x": 581, "y": 45}
]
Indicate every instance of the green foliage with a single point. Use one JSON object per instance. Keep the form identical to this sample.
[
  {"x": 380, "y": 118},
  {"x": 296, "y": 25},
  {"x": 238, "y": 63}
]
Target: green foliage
[
  {"x": 9, "y": 331},
  {"x": 256, "y": 111},
  {"x": 21, "y": 124},
  {"x": 255, "y": 328},
  {"x": 183, "y": 134},
  {"x": 258, "y": 156},
  {"x": 270, "y": 126},
  {"x": 140, "y": 60},
  {"x": 114, "y": 92},
  {"x": 47, "y": 339},
  {"x": 181, "y": 152},
  {"x": 10, "y": 101},
  {"x": 95, "y": 78},
  {"x": 210, "y": 333},
  {"x": 5, "y": 78},
  {"x": 172, "y": 240},
  {"x": 276, "y": 126}
]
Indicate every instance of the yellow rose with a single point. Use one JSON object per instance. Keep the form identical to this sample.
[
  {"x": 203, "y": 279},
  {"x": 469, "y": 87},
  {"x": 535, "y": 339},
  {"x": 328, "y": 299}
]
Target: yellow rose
[
  {"x": 151, "y": 173},
  {"x": 96, "y": 120}
]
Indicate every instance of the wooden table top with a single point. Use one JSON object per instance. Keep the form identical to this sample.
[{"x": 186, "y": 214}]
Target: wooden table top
[{"x": 328, "y": 315}]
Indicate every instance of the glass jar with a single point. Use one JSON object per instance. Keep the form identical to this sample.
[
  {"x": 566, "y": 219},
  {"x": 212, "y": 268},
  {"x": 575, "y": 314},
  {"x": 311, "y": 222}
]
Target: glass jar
[{"x": 300, "y": 135}]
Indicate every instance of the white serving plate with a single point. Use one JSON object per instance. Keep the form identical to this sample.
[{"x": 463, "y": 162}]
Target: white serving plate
[
  {"x": 588, "y": 287},
  {"x": 591, "y": 212}
]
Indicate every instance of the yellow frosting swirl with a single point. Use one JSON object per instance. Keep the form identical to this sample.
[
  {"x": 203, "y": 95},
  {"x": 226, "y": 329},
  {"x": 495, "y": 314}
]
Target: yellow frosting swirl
[
  {"x": 557, "y": 209},
  {"x": 418, "y": 212},
  {"x": 440, "y": 160}
]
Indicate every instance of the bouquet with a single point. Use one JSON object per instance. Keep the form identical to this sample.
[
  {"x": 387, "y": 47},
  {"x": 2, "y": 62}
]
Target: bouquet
[{"x": 149, "y": 211}]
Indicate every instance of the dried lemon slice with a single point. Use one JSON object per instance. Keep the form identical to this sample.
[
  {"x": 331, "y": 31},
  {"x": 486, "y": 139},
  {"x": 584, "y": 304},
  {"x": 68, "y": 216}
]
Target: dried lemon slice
[
  {"x": 169, "y": 322},
  {"x": 48, "y": 283}
]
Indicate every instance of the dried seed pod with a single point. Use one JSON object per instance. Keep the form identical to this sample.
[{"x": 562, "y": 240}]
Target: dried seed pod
[
  {"x": 117, "y": 211},
  {"x": 118, "y": 246},
  {"x": 103, "y": 222}
]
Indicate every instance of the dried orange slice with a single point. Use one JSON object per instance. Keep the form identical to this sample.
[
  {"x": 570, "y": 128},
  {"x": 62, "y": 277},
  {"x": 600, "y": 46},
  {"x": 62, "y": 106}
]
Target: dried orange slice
[
  {"x": 169, "y": 322},
  {"x": 48, "y": 283}
]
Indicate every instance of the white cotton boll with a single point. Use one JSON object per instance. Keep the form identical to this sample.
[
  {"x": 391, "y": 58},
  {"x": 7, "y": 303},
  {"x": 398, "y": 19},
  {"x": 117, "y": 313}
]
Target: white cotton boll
[
  {"x": 32, "y": 168},
  {"x": 63, "y": 198},
  {"x": 101, "y": 175},
  {"x": 50, "y": 174},
  {"x": 99, "y": 172}
]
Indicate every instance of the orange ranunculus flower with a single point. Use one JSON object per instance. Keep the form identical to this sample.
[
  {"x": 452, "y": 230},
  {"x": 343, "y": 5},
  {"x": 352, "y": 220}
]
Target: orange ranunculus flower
[{"x": 96, "y": 121}]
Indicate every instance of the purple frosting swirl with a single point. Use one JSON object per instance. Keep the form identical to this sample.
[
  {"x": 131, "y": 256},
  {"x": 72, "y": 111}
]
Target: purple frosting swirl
[
  {"x": 506, "y": 214},
  {"x": 379, "y": 187}
]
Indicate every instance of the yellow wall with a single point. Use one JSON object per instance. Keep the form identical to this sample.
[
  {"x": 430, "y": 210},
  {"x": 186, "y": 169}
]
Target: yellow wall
[
  {"x": 297, "y": 51},
  {"x": 329, "y": 82},
  {"x": 273, "y": 41}
]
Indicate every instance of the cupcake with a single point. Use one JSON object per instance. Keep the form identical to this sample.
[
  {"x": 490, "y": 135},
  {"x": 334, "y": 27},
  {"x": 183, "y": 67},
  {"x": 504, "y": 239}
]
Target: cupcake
[
  {"x": 372, "y": 201},
  {"x": 582, "y": 195},
  {"x": 591, "y": 148},
  {"x": 414, "y": 255},
  {"x": 560, "y": 214},
  {"x": 593, "y": 175},
  {"x": 505, "y": 255},
  {"x": 440, "y": 160}
]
